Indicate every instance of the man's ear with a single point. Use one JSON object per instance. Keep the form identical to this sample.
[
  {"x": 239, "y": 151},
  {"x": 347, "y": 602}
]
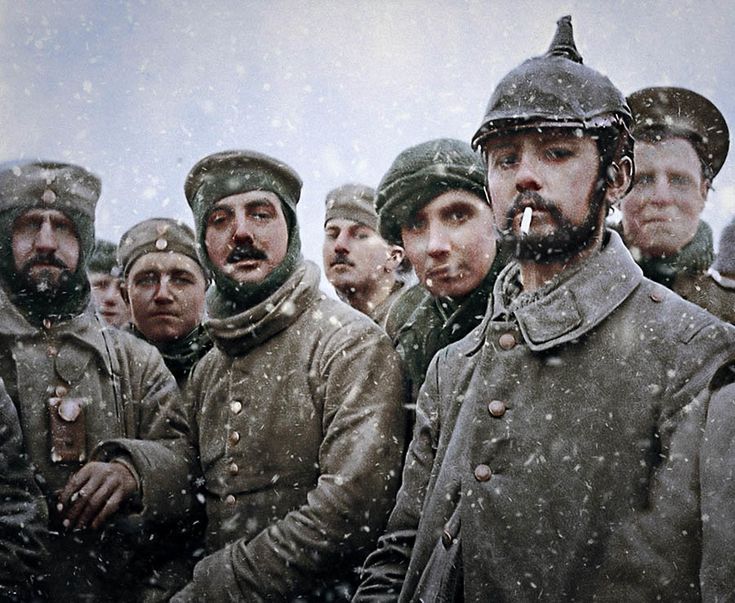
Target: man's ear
[
  {"x": 619, "y": 180},
  {"x": 705, "y": 188},
  {"x": 395, "y": 258},
  {"x": 124, "y": 292}
]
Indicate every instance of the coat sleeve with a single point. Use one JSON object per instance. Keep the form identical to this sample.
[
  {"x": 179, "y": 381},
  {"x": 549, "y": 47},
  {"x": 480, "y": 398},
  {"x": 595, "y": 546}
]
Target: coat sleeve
[
  {"x": 159, "y": 446},
  {"x": 681, "y": 544},
  {"x": 359, "y": 381},
  {"x": 385, "y": 569},
  {"x": 23, "y": 513}
]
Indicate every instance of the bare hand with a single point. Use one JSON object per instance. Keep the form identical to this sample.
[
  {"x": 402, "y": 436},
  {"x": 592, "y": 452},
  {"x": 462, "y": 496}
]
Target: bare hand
[{"x": 94, "y": 493}]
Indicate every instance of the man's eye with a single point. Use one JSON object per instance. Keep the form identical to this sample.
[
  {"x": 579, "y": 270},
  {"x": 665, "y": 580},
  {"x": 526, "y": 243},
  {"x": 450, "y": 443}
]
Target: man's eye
[
  {"x": 217, "y": 218},
  {"x": 505, "y": 160},
  {"x": 458, "y": 216},
  {"x": 146, "y": 281},
  {"x": 679, "y": 180},
  {"x": 415, "y": 225},
  {"x": 643, "y": 179},
  {"x": 556, "y": 153}
]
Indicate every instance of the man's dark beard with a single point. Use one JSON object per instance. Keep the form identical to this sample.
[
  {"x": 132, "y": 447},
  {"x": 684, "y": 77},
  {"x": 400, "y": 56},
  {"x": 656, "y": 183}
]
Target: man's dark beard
[
  {"x": 568, "y": 239},
  {"x": 46, "y": 284},
  {"x": 246, "y": 252}
]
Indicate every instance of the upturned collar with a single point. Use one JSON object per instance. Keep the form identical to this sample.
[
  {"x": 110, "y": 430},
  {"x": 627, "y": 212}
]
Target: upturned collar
[{"x": 573, "y": 305}]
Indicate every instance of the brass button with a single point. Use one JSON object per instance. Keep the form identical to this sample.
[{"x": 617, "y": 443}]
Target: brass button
[
  {"x": 496, "y": 408},
  {"x": 507, "y": 341},
  {"x": 483, "y": 473},
  {"x": 233, "y": 469},
  {"x": 235, "y": 406},
  {"x": 446, "y": 538},
  {"x": 48, "y": 196},
  {"x": 61, "y": 391},
  {"x": 46, "y": 323},
  {"x": 656, "y": 296},
  {"x": 230, "y": 500},
  {"x": 51, "y": 351},
  {"x": 233, "y": 438}
]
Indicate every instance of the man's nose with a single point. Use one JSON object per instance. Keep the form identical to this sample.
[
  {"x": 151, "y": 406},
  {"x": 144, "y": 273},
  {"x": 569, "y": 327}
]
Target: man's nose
[
  {"x": 527, "y": 175},
  {"x": 438, "y": 241},
  {"x": 46, "y": 240}
]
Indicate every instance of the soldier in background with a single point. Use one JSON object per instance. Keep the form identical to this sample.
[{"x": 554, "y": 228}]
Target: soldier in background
[
  {"x": 101, "y": 416},
  {"x": 682, "y": 141},
  {"x": 432, "y": 202},
  {"x": 365, "y": 271},
  {"x": 165, "y": 285},
  {"x": 578, "y": 444},
  {"x": 104, "y": 278},
  {"x": 297, "y": 410}
]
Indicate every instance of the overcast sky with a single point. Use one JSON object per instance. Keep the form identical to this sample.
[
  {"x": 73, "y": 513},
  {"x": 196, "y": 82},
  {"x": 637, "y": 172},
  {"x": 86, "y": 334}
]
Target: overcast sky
[{"x": 139, "y": 91}]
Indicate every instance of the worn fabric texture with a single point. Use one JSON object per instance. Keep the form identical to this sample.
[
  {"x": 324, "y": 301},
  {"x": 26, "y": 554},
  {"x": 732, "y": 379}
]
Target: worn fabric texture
[
  {"x": 132, "y": 410},
  {"x": 181, "y": 356},
  {"x": 420, "y": 174},
  {"x": 576, "y": 445},
  {"x": 23, "y": 514},
  {"x": 300, "y": 422},
  {"x": 354, "y": 202},
  {"x": 685, "y": 273},
  {"x": 420, "y": 324}
]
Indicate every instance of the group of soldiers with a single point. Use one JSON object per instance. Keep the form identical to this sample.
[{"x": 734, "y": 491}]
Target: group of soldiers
[{"x": 185, "y": 416}]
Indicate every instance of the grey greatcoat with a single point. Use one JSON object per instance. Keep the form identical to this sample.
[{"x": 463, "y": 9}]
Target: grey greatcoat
[
  {"x": 300, "y": 418},
  {"x": 23, "y": 517},
  {"x": 132, "y": 411},
  {"x": 577, "y": 444}
]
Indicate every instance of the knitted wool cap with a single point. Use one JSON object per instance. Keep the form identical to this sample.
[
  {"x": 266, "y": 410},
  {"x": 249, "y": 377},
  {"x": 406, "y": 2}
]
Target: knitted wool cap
[
  {"x": 421, "y": 173},
  {"x": 354, "y": 202},
  {"x": 156, "y": 235},
  {"x": 104, "y": 258}
]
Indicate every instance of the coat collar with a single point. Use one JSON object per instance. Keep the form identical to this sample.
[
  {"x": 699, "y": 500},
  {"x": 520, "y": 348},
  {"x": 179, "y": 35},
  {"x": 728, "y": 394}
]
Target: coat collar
[
  {"x": 85, "y": 329},
  {"x": 237, "y": 335},
  {"x": 577, "y": 304}
]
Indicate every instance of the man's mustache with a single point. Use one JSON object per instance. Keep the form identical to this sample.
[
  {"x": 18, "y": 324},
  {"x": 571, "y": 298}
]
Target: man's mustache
[
  {"x": 44, "y": 259},
  {"x": 341, "y": 258},
  {"x": 536, "y": 202},
  {"x": 246, "y": 252}
]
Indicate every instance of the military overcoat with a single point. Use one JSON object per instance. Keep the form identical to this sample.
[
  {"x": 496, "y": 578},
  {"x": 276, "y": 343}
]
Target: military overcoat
[
  {"x": 131, "y": 410},
  {"x": 299, "y": 418},
  {"x": 576, "y": 445}
]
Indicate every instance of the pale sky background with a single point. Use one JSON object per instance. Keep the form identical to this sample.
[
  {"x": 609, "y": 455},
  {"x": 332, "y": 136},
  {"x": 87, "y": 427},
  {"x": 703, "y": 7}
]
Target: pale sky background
[{"x": 139, "y": 91}]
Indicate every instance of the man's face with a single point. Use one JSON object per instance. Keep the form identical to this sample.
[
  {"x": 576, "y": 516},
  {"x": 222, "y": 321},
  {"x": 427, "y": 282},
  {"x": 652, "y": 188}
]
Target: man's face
[
  {"x": 661, "y": 212},
  {"x": 107, "y": 299},
  {"x": 554, "y": 173},
  {"x": 247, "y": 235},
  {"x": 354, "y": 255},
  {"x": 45, "y": 248},
  {"x": 166, "y": 295},
  {"x": 451, "y": 244}
]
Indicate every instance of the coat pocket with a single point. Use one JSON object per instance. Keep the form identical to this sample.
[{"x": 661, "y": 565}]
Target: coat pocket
[{"x": 442, "y": 580}]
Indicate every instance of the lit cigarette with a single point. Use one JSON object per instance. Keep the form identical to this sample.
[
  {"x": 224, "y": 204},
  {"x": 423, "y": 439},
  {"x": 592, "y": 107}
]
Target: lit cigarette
[{"x": 526, "y": 220}]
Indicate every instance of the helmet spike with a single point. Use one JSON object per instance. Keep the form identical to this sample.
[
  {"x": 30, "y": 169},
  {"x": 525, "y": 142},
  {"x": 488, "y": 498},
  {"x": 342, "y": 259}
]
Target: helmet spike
[{"x": 563, "y": 43}]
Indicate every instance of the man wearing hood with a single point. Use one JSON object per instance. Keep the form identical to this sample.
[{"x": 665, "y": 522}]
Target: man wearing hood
[
  {"x": 298, "y": 409},
  {"x": 101, "y": 417}
]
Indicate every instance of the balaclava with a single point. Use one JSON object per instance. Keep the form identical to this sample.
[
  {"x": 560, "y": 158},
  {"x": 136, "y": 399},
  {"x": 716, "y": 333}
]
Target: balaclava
[
  {"x": 230, "y": 173},
  {"x": 69, "y": 189}
]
